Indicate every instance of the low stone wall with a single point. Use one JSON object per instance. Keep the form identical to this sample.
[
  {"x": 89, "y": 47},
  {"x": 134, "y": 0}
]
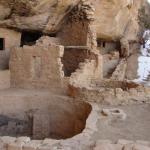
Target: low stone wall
[
  {"x": 24, "y": 143},
  {"x": 90, "y": 69},
  {"x": 112, "y": 93},
  {"x": 109, "y": 83},
  {"x": 86, "y": 72}
]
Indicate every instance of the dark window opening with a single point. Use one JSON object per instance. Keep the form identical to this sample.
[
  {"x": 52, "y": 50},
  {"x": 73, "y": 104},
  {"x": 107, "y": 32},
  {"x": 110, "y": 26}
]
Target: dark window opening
[
  {"x": 99, "y": 42},
  {"x": 104, "y": 44},
  {"x": 30, "y": 38},
  {"x": 52, "y": 35},
  {"x": 2, "y": 43},
  {"x": 118, "y": 45},
  {"x": 108, "y": 44}
]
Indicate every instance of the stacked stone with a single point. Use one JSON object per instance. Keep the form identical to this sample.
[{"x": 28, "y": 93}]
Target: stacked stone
[
  {"x": 83, "y": 11},
  {"x": 24, "y": 143}
]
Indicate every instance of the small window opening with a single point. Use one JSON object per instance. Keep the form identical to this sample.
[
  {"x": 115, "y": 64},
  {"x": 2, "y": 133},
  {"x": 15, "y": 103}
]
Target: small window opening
[
  {"x": 30, "y": 38},
  {"x": 104, "y": 44},
  {"x": 99, "y": 42},
  {"x": 2, "y": 43}
]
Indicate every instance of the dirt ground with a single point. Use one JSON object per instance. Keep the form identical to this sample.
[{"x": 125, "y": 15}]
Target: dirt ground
[{"x": 135, "y": 127}]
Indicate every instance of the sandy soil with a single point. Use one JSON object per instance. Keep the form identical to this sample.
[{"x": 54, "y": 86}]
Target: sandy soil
[{"x": 135, "y": 127}]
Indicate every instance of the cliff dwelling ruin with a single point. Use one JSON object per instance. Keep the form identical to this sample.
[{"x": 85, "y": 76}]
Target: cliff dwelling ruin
[{"x": 74, "y": 75}]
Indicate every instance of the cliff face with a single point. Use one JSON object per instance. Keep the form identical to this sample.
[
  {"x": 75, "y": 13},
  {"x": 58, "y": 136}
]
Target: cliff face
[
  {"x": 113, "y": 19},
  {"x": 116, "y": 18},
  {"x": 34, "y": 15}
]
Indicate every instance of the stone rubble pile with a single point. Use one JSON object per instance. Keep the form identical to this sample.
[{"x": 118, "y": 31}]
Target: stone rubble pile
[{"x": 24, "y": 143}]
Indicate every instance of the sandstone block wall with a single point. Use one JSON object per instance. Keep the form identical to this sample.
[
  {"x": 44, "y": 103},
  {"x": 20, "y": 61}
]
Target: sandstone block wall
[
  {"x": 24, "y": 143},
  {"x": 70, "y": 32},
  {"x": 88, "y": 70},
  {"x": 113, "y": 93},
  {"x": 36, "y": 66},
  {"x": 74, "y": 56},
  {"x": 12, "y": 37}
]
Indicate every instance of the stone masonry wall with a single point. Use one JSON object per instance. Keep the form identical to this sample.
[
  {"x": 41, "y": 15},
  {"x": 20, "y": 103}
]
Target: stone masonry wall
[
  {"x": 11, "y": 39},
  {"x": 37, "y": 66},
  {"x": 112, "y": 95},
  {"x": 24, "y": 143},
  {"x": 74, "y": 56},
  {"x": 69, "y": 34},
  {"x": 87, "y": 71}
]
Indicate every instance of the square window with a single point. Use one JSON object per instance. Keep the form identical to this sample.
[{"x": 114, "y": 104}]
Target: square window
[{"x": 2, "y": 43}]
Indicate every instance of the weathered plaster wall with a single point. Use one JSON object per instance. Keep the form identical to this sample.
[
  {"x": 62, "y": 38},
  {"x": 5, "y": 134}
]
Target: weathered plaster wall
[
  {"x": 37, "y": 66},
  {"x": 11, "y": 39}
]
